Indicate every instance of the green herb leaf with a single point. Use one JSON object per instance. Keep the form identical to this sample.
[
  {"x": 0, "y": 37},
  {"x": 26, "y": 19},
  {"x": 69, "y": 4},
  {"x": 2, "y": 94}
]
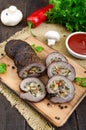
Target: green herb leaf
[
  {"x": 80, "y": 81},
  {"x": 37, "y": 48},
  {"x": 83, "y": 84},
  {"x": 77, "y": 79},
  {"x": 83, "y": 79},
  {"x": 3, "y": 67},
  {"x": 33, "y": 46}
]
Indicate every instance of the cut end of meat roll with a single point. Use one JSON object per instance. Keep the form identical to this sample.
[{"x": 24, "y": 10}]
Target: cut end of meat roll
[
  {"x": 54, "y": 57},
  {"x": 61, "y": 68},
  {"x": 26, "y": 60},
  {"x": 60, "y": 89},
  {"x": 33, "y": 89},
  {"x": 32, "y": 70}
]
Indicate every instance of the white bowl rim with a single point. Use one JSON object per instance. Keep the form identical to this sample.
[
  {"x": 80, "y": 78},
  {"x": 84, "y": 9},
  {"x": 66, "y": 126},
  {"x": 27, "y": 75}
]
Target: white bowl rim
[{"x": 70, "y": 50}]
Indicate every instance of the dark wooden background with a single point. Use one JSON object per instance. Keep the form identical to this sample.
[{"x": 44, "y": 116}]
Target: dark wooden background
[{"x": 10, "y": 119}]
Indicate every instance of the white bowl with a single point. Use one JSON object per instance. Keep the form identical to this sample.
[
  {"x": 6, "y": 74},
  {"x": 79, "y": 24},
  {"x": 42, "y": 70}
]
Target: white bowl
[{"x": 76, "y": 44}]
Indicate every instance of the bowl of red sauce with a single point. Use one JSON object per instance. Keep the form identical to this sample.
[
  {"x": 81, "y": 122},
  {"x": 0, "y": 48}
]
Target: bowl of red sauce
[{"x": 76, "y": 44}]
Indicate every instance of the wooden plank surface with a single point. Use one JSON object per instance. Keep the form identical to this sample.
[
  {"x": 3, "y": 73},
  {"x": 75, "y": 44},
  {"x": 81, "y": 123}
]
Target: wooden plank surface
[
  {"x": 12, "y": 80},
  {"x": 77, "y": 120}
]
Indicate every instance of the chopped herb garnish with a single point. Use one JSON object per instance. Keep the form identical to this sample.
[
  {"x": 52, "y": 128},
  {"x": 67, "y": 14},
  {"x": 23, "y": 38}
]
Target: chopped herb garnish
[
  {"x": 33, "y": 46},
  {"x": 3, "y": 67},
  {"x": 37, "y": 48},
  {"x": 80, "y": 81}
]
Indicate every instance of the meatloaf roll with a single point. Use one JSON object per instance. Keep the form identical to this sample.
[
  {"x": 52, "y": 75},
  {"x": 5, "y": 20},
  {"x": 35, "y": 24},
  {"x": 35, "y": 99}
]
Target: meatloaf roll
[
  {"x": 26, "y": 60},
  {"x": 17, "y": 46},
  {"x": 55, "y": 56},
  {"x": 60, "y": 89},
  {"x": 33, "y": 89},
  {"x": 61, "y": 68}
]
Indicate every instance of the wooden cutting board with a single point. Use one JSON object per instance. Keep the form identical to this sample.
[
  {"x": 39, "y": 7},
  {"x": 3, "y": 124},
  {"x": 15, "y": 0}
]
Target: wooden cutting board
[{"x": 57, "y": 114}]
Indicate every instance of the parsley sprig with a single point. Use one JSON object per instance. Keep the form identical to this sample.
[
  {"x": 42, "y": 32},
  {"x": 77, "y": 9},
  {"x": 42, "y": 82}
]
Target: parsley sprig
[
  {"x": 69, "y": 13},
  {"x": 3, "y": 68},
  {"x": 37, "y": 48},
  {"x": 80, "y": 81}
]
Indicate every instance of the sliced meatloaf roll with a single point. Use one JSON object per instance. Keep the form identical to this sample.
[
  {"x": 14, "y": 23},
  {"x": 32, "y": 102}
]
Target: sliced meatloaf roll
[
  {"x": 33, "y": 89},
  {"x": 60, "y": 89},
  {"x": 55, "y": 56},
  {"x": 61, "y": 68},
  {"x": 26, "y": 60}
]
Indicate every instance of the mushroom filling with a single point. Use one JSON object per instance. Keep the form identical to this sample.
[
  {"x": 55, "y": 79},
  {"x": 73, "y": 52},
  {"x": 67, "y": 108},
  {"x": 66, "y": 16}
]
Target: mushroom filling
[
  {"x": 33, "y": 70},
  {"x": 34, "y": 88},
  {"x": 54, "y": 59},
  {"x": 59, "y": 70},
  {"x": 60, "y": 88}
]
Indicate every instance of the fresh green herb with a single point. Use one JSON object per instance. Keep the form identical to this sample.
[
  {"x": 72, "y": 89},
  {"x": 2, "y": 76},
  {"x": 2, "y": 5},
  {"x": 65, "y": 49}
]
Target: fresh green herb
[
  {"x": 80, "y": 81},
  {"x": 69, "y": 13},
  {"x": 3, "y": 67},
  {"x": 37, "y": 48},
  {"x": 33, "y": 46}
]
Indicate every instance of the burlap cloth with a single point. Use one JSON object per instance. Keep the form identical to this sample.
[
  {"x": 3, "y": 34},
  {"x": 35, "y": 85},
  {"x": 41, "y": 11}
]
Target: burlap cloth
[{"x": 33, "y": 118}]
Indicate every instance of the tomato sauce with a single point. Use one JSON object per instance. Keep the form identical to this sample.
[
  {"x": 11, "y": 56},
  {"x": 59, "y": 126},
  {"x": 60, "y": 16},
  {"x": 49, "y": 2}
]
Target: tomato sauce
[{"x": 77, "y": 43}]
